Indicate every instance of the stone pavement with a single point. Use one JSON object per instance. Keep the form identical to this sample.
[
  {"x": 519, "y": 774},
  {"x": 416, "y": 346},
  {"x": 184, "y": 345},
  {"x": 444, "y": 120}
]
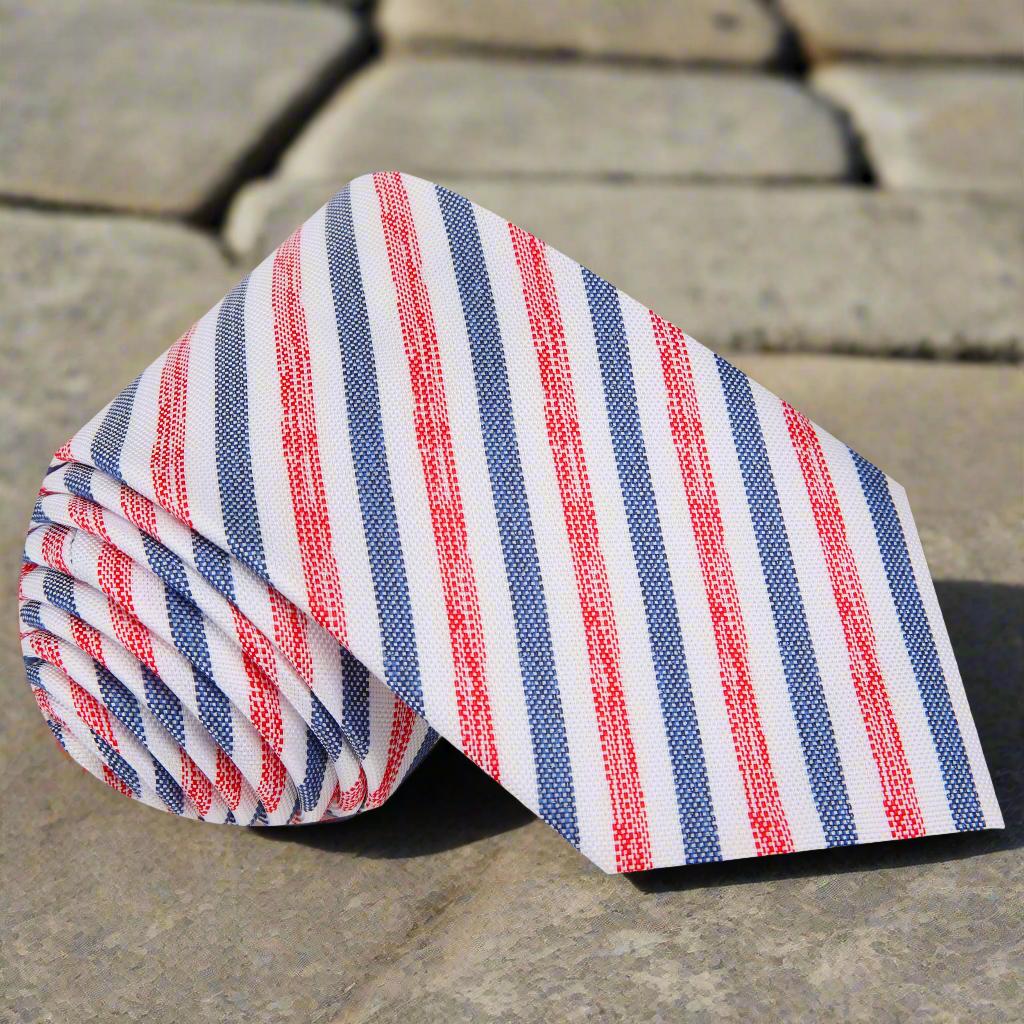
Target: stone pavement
[{"x": 838, "y": 177}]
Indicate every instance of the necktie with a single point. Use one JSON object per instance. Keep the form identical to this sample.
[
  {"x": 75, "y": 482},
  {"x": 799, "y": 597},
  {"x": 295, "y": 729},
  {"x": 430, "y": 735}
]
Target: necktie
[{"x": 421, "y": 475}]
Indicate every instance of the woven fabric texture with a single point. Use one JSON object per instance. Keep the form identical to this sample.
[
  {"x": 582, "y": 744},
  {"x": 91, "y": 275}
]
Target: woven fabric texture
[{"x": 420, "y": 474}]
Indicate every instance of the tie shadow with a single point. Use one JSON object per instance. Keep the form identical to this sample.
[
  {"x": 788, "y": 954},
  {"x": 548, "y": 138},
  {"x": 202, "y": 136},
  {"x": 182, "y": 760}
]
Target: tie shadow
[{"x": 449, "y": 802}]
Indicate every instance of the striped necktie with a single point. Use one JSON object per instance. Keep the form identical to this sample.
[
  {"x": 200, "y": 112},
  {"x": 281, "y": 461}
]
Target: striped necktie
[{"x": 421, "y": 475}]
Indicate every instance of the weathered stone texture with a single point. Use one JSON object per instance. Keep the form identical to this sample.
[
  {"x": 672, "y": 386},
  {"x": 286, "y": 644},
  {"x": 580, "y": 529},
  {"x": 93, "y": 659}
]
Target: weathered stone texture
[
  {"x": 441, "y": 115},
  {"x": 893, "y": 28},
  {"x": 948, "y": 128},
  {"x": 726, "y": 31},
  {"x": 86, "y": 303},
  {"x": 123, "y": 105}
]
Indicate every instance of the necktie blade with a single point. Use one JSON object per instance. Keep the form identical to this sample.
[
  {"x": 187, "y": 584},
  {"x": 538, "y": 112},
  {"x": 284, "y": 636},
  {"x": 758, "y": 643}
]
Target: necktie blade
[{"x": 421, "y": 475}]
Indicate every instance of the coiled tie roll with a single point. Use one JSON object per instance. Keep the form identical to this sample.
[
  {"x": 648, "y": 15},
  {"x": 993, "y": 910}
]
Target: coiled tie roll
[{"x": 421, "y": 475}]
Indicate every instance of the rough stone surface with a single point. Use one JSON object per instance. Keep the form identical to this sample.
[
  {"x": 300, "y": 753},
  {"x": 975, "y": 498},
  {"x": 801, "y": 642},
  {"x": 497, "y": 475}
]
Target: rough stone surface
[
  {"x": 86, "y": 303},
  {"x": 948, "y": 432},
  {"x": 733, "y": 31},
  {"x": 452, "y": 903},
  {"x": 829, "y": 269},
  {"x": 115, "y": 105},
  {"x": 889, "y": 28},
  {"x": 950, "y": 128},
  {"x": 438, "y": 115}
]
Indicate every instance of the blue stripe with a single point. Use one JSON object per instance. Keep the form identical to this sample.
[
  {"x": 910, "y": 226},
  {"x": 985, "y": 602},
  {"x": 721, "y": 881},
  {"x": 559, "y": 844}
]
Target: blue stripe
[
  {"x": 355, "y": 693},
  {"x": 59, "y": 589},
  {"x": 961, "y": 792},
  {"x": 39, "y": 517},
  {"x": 32, "y": 666},
  {"x": 316, "y": 766},
  {"x": 234, "y": 454},
  {"x": 325, "y": 739},
  {"x": 814, "y": 724},
  {"x": 189, "y": 632},
  {"x": 121, "y": 702},
  {"x": 168, "y": 790},
  {"x": 429, "y": 740},
  {"x": 214, "y": 565},
  {"x": 686, "y": 750},
  {"x": 555, "y": 791},
  {"x": 326, "y": 729},
  {"x": 109, "y": 439},
  {"x": 164, "y": 703},
  {"x": 55, "y": 728},
  {"x": 118, "y": 764},
  {"x": 30, "y": 615},
  {"x": 370, "y": 458},
  {"x": 189, "y": 635},
  {"x": 78, "y": 480}
]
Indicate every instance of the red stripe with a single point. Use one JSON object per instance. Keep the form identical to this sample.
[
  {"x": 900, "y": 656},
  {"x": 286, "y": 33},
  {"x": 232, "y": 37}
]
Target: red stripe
[
  {"x": 26, "y": 568},
  {"x": 87, "y": 516},
  {"x": 132, "y": 635},
  {"x": 114, "y": 575},
  {"x": 89, "y": 709},
  {"x": 335, "y": 797},
  {"x": 264, "y": 707},
  {"x": 345, "y": 803},
  {"x": 352, "y": 798},
  {"x": 401, "y": 731},
  {"x": 898, "y": 795},
  {"x": 63, "y": 453},
  {"x": 196, "y": 785},
  {"x": 138, "y": 510},
  {"x": 629, "y": 816},
  {"x": 112, "y": 779},
  {"x": 299, "y": 442},
  {"x": 87, "y": 638},
  {"x": 768, "y": 822},
  {"x": 43, "y": 700},
  {"x": 433, "y": 437},
  {"x": 53, "y": 548},
  {"x": 261, "y": 671},
  {"x": 229, "y": 779},
  {"x": 92, "y": 712},
  {"x": 290, "y": 635},
  {"x": 46, "y": 647},
  {"x": 167, "y": 460}
]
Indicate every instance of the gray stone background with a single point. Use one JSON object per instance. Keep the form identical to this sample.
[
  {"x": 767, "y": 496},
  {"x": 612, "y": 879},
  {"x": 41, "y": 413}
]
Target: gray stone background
[{"x": 830, "y": 192}]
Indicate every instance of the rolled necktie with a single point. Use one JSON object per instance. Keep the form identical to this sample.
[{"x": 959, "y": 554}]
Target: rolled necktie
[{"x": 421, "y": 475}]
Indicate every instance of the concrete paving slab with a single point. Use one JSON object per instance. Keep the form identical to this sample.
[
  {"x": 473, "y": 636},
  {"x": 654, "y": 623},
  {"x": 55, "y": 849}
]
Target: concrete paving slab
[
  {"x": 453, "y": 903},
  {"x": 86, "y": 304},
  {"x": 908, "y": 28},
  {"x": 824, "y": 269},
  {"x": 442, "y": 115},
  {"x": 707, "y": 31},
  {"x": 123, "y": 106},
  {"x": 946, "y": 128}
]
